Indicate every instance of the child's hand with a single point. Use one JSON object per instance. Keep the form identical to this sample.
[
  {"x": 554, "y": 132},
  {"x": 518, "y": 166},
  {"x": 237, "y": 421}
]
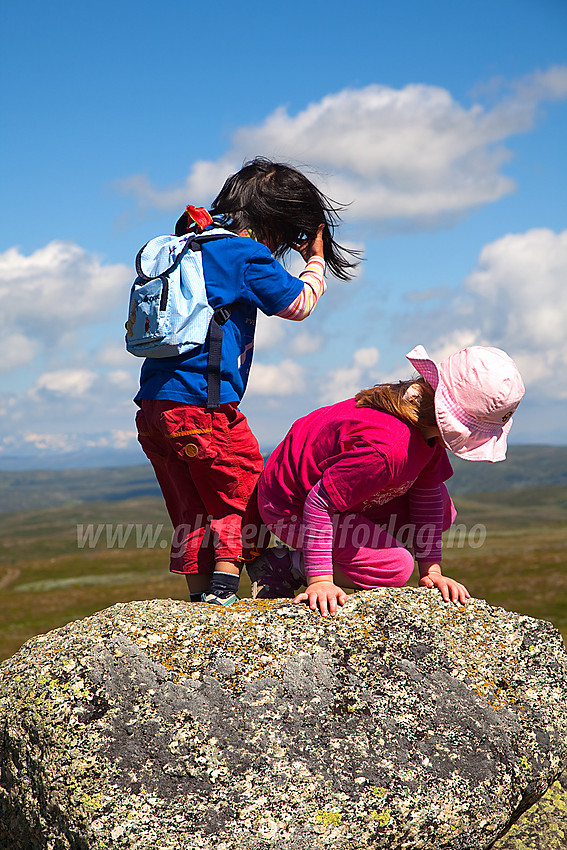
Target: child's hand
[
  {"x": 313, "y": 247},
  {"x": 451, "y": 590},
  {"x": 324, "y": 595}
]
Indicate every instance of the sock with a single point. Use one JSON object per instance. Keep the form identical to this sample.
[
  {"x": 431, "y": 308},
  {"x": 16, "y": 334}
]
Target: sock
[{"x": 224, "y": 585}]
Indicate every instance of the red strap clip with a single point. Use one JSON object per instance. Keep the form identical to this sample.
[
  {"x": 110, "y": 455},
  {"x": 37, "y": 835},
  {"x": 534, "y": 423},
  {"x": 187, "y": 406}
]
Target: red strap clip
[{"x": 200, "y": 216}]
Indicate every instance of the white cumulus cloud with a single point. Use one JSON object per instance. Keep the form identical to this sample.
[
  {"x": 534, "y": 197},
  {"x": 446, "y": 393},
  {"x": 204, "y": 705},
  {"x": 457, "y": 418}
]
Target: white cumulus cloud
[
  {"x": 348, "y": 380},
  {"x": 63, "y": 382},
  {"x": 47, "y": 442},
  {"x": 17, "y": 350},
  {"x": 64, "y": 443},
  {"x": 270, "y": 332},
  {"x": 413, "y": 154},
  {"x": 57, "y": 289},
  {"x": 285, "y": 378},
  {"x": 515, "y": 299},
  {"x": 204, "y": 180},
  {"x": 521, "y": 279},
  {"x": 305, "y": 342},
  {"x": 113, "y": 354},
  {"x": 122, "y": 380}
]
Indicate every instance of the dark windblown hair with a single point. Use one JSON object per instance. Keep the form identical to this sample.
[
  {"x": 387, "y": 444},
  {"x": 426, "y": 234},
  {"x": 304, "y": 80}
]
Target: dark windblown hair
[
  {"x": 418, "y": 410},
  {"x": 282, "y": 207}
]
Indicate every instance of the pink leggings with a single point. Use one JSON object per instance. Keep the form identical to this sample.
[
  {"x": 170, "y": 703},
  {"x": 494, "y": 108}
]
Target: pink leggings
[{"x": 372, "y": 550}]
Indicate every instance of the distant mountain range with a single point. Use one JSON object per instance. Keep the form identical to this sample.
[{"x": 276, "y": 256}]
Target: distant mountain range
[
  {"x": 96, "y": 458},
  {"x": 525, "y": 466},
  {"x": 22, "y": 490}
]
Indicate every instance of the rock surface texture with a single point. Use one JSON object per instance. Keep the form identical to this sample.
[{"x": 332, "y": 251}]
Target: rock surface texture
[
  {"x": 544, "y": 826},
  {"x": 403, "y": 723}
]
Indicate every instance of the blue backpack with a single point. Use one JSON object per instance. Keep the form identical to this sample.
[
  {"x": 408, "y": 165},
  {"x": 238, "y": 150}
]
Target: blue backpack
[{"x": 169, "y": 313}]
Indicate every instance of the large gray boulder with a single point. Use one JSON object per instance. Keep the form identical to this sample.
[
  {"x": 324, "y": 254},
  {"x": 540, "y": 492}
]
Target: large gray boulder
[{"x": 404, "y": 722}]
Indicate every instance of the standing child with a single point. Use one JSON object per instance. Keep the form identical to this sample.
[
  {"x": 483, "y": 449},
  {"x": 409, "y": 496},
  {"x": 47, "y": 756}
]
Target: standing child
[
  {"x": 354, "y": 486},
  {"x": 206, "y": 459}
]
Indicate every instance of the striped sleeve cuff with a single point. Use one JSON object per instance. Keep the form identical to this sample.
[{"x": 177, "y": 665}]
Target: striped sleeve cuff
[
  {"x": 313, "y": 287},
  {"x": 426, "y": 506}
]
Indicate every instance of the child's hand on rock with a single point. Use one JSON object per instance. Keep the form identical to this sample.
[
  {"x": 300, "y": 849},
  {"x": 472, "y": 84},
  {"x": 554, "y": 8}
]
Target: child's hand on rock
[
  {"x": 323, "y": 595},
  {"x": 451, "y": 590}
]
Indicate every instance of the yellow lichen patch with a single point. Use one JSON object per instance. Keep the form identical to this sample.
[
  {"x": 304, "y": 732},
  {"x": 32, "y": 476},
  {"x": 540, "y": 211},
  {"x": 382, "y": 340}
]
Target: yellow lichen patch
[
  {"x": 381, "y": 818},
  {"x": 328, "y": 818},
  {"x": 379, "y": 792}
]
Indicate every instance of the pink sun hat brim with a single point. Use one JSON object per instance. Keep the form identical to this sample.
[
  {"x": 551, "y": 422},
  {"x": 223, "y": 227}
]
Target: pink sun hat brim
[{"x": 463, "y": 434}]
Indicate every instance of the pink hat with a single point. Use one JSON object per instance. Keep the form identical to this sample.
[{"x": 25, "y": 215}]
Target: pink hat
[{"x": 476, "y": 392}]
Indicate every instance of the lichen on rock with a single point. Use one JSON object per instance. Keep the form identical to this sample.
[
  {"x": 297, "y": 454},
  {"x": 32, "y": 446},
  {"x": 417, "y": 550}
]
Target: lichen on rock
[
  {"x": 404, "y": 722},
  {"x": 543, "y": 826}
]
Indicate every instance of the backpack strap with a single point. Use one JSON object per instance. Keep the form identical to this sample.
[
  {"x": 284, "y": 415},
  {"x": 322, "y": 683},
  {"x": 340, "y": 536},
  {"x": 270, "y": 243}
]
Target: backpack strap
[
  {"x": 192, "y": 243},
  {"x": 215, "y": 335},
  {"x": 220, "y": 316},
  {"x": 144, "y": 278}
]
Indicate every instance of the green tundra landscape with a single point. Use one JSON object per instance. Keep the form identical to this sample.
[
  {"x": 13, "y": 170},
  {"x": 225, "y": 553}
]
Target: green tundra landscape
[{"x": 73, "y": 542}]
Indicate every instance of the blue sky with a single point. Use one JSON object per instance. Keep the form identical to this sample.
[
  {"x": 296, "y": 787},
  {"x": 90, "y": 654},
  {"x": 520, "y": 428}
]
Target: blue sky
[{"x": 441, "y": 124}]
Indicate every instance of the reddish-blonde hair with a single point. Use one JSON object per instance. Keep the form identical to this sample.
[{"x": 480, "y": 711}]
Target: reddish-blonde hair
[{"x": 417, "y": 409}]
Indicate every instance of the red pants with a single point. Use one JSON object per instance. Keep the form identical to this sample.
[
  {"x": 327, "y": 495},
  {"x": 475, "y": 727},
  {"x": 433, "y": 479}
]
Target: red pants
[{"x": 207, "y": 463}]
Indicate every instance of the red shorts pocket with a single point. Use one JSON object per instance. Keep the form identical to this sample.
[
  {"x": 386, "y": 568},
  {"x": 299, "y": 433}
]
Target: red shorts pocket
[{"x": 190, "y": 431}]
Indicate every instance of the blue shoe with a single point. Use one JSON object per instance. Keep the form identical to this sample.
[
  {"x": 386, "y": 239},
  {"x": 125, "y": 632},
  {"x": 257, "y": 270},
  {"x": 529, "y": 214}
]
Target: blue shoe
[
  {"x": 273, "y": 575},
  {"x": 213, "y": 599}
]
